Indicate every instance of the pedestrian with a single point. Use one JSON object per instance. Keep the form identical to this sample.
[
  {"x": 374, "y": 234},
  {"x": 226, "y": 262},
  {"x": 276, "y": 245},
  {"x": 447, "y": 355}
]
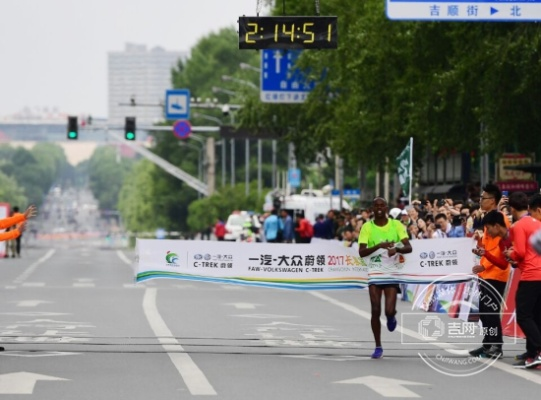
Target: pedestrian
[
  {"x": 528, "y": 296},
  {"x": 304, "y": 229},
  {"x": 20, "y": 221},
  {"x": 286, "y": 224},
  {"x": 17, "y": 222},
  {"x": 18, "y": 239},
  {"x": 320, "y": 227},
  {"x": 390, "y": 234},
  {"x": 219, "y": 230},
  {"x": 492, "y": 280},
  {"x": 271, "y": 228}
]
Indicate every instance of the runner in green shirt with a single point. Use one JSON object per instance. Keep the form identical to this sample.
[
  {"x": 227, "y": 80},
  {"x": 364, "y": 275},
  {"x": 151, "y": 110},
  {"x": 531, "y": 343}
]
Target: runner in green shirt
[{"x": 382, "y": 233}]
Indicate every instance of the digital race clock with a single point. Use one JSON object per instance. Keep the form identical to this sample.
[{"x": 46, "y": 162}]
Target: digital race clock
[{"x": 298, "y": 32}]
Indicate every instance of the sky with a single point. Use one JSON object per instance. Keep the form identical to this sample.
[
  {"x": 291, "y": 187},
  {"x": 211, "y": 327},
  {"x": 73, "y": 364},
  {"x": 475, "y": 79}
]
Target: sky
[{"x": 53, "y": 53}]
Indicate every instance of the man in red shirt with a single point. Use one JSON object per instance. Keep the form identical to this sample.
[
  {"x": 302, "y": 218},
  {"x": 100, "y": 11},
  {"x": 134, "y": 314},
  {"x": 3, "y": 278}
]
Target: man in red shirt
[
  {"x": 528, "y": 297},
  {"x": 304, "y": 229}
]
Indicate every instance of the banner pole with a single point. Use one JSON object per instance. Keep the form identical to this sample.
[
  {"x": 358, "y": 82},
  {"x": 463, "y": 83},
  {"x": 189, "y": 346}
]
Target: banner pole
[{"x": 411, "y": 169}]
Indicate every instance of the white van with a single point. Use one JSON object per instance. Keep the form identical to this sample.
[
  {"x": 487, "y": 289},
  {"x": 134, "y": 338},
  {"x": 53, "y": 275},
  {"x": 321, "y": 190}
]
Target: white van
[{"x": 312, "y": 206}]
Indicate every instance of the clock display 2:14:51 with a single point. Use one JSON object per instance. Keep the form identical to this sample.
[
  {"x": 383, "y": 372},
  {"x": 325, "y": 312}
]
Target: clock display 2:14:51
[{"x": 288, "y": 32}]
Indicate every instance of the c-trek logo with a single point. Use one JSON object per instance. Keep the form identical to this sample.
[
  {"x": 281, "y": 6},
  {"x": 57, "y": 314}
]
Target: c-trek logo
[{"x": 432, "y": 263}]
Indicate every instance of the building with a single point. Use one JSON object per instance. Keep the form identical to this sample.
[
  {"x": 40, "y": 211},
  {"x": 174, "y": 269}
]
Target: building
[{"x": 142, "y": 76}]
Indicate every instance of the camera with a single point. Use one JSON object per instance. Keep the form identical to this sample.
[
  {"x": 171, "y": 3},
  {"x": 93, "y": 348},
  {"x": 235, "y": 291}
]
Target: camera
[
  {"x": 457, "y": 220},
  {"x": 438, "y": 226},
  {"x": 441, "y": 203}
]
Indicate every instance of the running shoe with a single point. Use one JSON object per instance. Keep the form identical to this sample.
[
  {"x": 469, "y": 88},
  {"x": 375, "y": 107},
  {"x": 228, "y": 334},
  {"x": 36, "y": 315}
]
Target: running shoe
[
  {"x": 391, "y": 324},
  {"x": 520, "y": 364},
  {"x": 534, "y": 362},
  {"x": 378, "y": 353},
  {"x": 493, "y": 352},
  {"x": 521, "y": 357},
  {"x": 478, "y": 352}
]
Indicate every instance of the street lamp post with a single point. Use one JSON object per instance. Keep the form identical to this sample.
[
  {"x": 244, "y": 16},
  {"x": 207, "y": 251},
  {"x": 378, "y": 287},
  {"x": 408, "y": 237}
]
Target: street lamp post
[
  {"x": 241, "y": 81},
  {"x": 216, "y": 89},
  {"x": 200, "y": 160},
  {"x": 250, "y": 67}
]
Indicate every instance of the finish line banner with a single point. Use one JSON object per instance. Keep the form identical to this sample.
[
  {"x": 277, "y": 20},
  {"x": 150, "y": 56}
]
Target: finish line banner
[{"x": 320, "y": 265}]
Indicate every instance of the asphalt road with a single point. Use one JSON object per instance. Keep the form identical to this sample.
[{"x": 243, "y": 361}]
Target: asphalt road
[{"x": 75, "y": 326}]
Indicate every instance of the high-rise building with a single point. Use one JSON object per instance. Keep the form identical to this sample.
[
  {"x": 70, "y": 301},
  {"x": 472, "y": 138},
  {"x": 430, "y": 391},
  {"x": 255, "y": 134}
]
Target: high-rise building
[{"x": 139, "y": 75}]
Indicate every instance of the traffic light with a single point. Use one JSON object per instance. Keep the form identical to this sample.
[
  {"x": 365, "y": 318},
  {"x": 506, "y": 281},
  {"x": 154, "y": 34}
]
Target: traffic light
[
  {"x": 129, "y": 128},
  {"x": 73, "y": 128}
]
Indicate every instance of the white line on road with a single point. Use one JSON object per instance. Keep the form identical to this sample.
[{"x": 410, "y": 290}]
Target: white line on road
[
  {"x": 193, "y": 377},
  {"x": 31, "y": 303},
  {"x": 26, "y": 273},
  {"x": 23, "y": 382},
  {"x": 499, "y": 365},
  {"x": 243, "y": 306},
  {"x": 123, "y": 257}
]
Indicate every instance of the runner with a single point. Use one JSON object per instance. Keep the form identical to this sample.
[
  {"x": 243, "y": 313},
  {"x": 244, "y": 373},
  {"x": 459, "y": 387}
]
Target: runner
[{"x": 383, "y": 233}]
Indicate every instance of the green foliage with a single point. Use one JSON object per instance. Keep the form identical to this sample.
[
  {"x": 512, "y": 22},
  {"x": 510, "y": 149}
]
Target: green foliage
[
  {"x": 33, "y": 171},
  {"x": 445, "y": 84},
  {"x": 106, "y": 172},
  {"x": 135, "y": 202},
  {"x": 12, "y": 193},
  {"x": 204, "y": 212}
]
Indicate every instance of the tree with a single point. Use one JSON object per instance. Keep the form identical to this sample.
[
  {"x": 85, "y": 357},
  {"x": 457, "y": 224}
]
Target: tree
[{"x": 106, "y": 175}]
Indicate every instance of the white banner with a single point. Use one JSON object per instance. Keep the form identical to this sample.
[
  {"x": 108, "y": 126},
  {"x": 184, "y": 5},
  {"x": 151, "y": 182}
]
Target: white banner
[{"x": 323, "y": 264}]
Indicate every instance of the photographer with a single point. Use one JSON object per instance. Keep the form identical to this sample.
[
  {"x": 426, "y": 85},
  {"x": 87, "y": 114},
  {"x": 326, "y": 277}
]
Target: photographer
[{"x": 445, "y": 229}]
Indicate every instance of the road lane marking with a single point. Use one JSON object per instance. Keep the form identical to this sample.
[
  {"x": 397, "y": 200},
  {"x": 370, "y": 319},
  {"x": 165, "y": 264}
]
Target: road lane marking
[
  {"x": 243, "y": 306},
  {"x": 123, "y": 257},
  {"x": 193, "y": 377},
  {"x": 27, "y": 272},
  {"x": 386, "y": 387},
  {"x": 33, "y": 284},
  {"x": 31, "y": 303},
  {"x": 499, "y": 365},
  {"x": 23, "y": 382}
]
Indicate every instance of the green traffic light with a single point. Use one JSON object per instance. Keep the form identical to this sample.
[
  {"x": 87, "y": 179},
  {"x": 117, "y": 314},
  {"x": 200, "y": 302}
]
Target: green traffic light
[
  {"x": 130, "y": 135},
  {"x": 72, "y": 135}
]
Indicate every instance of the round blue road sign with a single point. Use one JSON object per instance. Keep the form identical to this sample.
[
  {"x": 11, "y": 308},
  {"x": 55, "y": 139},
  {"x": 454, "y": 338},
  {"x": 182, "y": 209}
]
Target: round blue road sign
[{"x": 182, "y": 129}]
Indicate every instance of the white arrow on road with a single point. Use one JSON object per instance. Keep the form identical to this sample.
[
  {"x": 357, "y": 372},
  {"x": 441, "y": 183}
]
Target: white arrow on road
[
  {"x": 243, "y": 306},
  {"x": 23, "y": 382},
  {"x": 31, "y": 303},
  {"x": 386, "y": 387}
]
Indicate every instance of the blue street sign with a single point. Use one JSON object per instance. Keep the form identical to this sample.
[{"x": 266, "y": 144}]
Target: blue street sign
[
  {"x": 280, "y": 81},
  {"x": 177, "y": 104},
  {"x": 294, "y": 177},
  {"x": 351, "y": 193},
  {"x": 465, "y": 10},
  {"x": 182, "y": 129}
]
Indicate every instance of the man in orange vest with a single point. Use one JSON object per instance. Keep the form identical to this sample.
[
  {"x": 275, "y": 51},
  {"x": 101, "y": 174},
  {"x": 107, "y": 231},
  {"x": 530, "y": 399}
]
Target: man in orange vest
[
  {"x": 19, "y": 220},
  {"x": 492, "y": 281}
]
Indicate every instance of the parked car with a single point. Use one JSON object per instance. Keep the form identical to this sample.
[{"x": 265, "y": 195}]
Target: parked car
[{"x": 235, "y": 225}]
